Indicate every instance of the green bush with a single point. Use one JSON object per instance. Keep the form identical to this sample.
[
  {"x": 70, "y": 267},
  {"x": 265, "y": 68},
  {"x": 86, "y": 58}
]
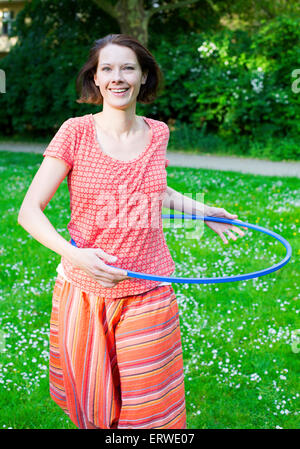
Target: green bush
[
  {"x": 185, "y": 137},
  {"x": 41, "y": 68},
  {"x": 234, "y": 85}
]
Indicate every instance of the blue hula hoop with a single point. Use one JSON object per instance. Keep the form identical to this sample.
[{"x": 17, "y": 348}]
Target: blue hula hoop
[{"x": 214, "y": 280}]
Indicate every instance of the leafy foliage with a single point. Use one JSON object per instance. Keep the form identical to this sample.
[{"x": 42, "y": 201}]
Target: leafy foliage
[
  {"x": 234, "y": 84},
  {"x": 42, "y": 67}
]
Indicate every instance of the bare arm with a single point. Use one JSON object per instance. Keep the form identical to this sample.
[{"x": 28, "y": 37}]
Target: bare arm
[
  {"x": 32, "y": 218},
  {"x": 175, "y": 200}
]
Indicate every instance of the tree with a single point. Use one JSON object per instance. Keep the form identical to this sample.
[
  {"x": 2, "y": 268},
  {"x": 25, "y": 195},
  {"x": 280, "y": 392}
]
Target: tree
[
  {"x": 133, "y": 18},
  {"x": 54, "y": 37}
]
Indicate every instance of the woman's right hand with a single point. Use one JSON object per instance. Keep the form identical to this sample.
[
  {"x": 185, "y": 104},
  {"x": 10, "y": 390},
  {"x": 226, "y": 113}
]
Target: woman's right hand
[{"x": 92, "y": 262}]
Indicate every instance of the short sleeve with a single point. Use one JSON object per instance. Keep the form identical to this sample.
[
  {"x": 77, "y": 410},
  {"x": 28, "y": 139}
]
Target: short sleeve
[
  {"x": 167, "y": 136},
  {"x": 62, "y": 145}
]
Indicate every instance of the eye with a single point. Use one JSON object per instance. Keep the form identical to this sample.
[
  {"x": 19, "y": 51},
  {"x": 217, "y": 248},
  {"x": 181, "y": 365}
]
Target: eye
[
  {"x": 130, "y": 68},
  {"x": 104, "y": 68}
]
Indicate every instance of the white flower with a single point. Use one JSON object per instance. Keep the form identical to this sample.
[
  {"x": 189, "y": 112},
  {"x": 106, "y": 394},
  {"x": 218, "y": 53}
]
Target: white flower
[
  {"x": 257, "y": 85},
  {"x": 206, "y": 49}
]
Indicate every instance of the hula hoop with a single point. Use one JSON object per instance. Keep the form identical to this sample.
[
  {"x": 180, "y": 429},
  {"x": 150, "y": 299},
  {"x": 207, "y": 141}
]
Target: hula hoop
[{"x": 214, "y": 280}]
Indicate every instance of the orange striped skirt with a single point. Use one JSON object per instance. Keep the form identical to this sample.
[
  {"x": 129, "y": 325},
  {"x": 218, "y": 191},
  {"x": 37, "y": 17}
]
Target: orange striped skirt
[{"x": 117, "y": 364}]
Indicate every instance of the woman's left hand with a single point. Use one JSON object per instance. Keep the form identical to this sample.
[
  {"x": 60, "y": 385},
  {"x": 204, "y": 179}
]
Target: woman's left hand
[{"x": 223, "y": 228}]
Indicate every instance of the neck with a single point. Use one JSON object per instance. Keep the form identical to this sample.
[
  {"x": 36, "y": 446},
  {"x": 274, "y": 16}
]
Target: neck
[{"x": 118, "y": 122}]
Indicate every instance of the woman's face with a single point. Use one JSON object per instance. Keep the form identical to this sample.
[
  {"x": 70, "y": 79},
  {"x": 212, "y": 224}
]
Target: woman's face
[{"x": 119, "y": 76}]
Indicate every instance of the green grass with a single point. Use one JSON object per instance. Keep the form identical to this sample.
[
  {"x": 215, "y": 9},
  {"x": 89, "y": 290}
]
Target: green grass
[{"x": 240, "y": 353}]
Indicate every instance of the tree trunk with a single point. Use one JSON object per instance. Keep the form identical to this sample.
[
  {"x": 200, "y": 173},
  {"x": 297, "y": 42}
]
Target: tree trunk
[
  {"x": 133, "y": 18},
  {"x": 134, "y": 21}
]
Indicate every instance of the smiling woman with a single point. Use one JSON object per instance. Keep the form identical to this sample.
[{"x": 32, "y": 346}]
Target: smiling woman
[
  {"x": 118, "y": 79},
  {"x": 115, "y": 343},
  {"x": 136, "y": 59}
]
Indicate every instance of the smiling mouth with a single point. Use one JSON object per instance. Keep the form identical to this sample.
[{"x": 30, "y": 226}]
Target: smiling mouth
[{"x": 120, "y": 90}]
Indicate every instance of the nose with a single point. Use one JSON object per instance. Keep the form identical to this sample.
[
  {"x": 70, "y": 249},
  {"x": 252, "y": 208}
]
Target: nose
[{"x": 117, "y": 75}]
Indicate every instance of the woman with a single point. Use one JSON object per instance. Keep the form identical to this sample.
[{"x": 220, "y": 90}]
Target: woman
[{"x": 115, "y": 347}]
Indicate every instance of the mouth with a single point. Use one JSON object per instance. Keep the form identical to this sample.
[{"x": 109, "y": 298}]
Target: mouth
[{"x": 119, "y": 92}]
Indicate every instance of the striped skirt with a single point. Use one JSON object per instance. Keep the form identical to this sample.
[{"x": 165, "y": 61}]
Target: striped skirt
[{"x": 117, "y": 364}]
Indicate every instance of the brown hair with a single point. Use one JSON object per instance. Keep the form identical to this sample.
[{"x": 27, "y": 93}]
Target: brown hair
[{"x": 85, "y": 84}]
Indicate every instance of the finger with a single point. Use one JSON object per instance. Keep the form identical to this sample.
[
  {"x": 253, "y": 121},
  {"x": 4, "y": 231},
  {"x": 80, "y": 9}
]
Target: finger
[
  {"x": 230, "y": 235},
  {"x": 242, "y": 226},
  {"x": 107, "y": 257},
  {"x": 223, "y": 238},
  {"x": 109, "y": 281},
  {"x": 238, "y": 231},
  {"x": 119, "y": 272},
  {"x": 232, "y": 217},
  {"x": 107, "y": 284},
  {"x": 107, "y": 277},
  {"x": 229, "y": 215}
]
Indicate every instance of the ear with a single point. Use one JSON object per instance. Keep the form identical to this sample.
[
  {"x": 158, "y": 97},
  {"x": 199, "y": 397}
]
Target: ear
[{"x": 144, "y": 77}]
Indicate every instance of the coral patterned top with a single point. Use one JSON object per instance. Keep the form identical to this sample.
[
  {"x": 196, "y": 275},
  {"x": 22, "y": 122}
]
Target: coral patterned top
[{"x": 115, "y": 205}]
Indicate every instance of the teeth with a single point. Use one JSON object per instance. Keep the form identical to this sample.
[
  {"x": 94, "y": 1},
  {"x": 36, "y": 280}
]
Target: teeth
[{"x": 118, "y": 90}]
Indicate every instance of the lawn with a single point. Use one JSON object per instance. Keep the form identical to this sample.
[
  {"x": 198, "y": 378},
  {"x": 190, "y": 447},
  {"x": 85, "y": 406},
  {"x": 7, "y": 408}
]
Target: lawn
[{"x": 240, "y": 346}]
